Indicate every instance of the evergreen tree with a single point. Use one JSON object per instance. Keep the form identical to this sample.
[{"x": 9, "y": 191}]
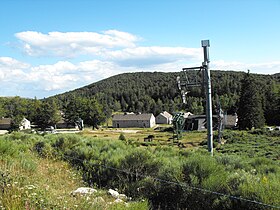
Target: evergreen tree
[
  {"x": 48, "y": 114},
  {"x": 92, "y": 113},
  {"x": 250, "y": 111},
  {"x": 2, "y": 110},
  {"x": 16, "y": 108},
  {"x": 73, "y": 109},
  {"x": 272, "y": 107},
  {"x": 33, "y": 110}
]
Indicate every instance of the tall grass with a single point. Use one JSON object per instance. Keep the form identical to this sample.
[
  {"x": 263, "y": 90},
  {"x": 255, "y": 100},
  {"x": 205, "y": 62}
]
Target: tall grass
[
  {"x": 168, "y": 178},
  {"x": 32, "y": 177},
  {"x": 132, "y": 170}
]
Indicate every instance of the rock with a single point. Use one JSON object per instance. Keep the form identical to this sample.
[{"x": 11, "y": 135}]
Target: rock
[
  {"x": 118, "y": 201},
  {"x": 113, "y": 193},
  {"x": 84, "y": 191},
  {"x": 117, "y": 195},
  {"x": 122, "y": 196}
]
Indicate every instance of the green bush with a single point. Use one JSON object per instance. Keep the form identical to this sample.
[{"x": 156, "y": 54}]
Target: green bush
[
  {"x": 170, "y": 178},
  {"x": 8, "y": 148},
  {"x": 122, "y": 137}
]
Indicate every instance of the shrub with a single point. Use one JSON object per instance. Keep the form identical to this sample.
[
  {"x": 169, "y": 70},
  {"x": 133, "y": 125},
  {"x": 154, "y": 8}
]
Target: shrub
[
  {"x": 8, "y": 148},
  {"x": 122, "y": 137},
  {"x": 169, "y": 177}
]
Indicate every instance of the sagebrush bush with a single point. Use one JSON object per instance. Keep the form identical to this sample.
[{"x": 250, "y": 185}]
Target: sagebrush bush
[{"x": 169, "y": 178}]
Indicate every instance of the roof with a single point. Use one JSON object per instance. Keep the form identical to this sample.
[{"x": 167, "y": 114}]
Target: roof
[
  {"x": 5, "y": 121},
  {"x": 132, "y": 116},
  {"x": 25, "y": 120},
  {"x": 199, "y": 116},
  {"x": 166, "y": 114},
  {"x": 187, "y": 114}
]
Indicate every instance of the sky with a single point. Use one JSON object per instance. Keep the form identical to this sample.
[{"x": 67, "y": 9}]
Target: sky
[{"x": 49, "y": 47}]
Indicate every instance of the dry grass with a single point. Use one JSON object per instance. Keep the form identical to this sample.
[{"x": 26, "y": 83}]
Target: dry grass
[{"x": 189, "y": 139}]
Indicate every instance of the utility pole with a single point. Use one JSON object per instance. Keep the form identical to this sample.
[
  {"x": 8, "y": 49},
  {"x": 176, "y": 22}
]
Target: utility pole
[
  {"x": 206, "y": 44},
  {"x": 185, "y": 84}
]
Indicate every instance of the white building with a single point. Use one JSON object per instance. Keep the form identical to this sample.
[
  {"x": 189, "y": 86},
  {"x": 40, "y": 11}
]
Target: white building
[
  {"x": 164, "y": 118},
  {"x": 25, "y": 124}
]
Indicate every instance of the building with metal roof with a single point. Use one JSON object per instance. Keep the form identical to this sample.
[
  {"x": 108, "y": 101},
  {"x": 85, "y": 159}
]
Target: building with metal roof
[{"x": 134, "y": 120}]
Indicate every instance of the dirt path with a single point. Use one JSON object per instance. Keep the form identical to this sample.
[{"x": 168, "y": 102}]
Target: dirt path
[{"x": 3, "y": 132}]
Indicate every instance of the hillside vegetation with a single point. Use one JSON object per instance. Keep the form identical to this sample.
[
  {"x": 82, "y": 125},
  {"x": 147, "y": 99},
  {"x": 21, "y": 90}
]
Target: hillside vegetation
[
  {"x": 157, "y": 91},
  {"x": 169, "y": 178}
]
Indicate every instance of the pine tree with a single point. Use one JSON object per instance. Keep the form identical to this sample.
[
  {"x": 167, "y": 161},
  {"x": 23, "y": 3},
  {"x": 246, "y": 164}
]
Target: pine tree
[
  {"x": 250, "y": 111},
  {"x": 48, "y": 114},
  {"x": 93, "y": 114},
  {"x": 73, "y": 109}
]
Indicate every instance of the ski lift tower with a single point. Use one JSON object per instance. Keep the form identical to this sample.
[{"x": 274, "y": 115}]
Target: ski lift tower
[
  {"x": 206, "y": 44},
  {"x": 206, "y": 84}
]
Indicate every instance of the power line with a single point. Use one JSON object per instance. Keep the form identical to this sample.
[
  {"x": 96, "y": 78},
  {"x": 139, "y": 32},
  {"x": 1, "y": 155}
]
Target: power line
[{"x": 179, "y": 184}]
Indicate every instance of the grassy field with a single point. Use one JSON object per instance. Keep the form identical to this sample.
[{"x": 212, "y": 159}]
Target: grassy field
[
  {"x": 253, "y": 144},
  {"x": 40, "y": 171},
  {"x": 161, "y": 136},
  {"x": 29, "y": 181}
]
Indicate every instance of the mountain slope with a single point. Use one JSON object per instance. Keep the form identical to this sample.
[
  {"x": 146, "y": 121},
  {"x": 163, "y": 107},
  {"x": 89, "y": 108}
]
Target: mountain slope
[{"x": 157, "y": 91}]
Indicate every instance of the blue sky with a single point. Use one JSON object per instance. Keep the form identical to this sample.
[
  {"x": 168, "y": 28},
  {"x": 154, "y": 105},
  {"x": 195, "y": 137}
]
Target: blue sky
[{"x": 50, "y": 46}]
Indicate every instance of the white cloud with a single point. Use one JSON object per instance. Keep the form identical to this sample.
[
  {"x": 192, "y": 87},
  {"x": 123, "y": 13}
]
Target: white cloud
[
  {"x": 148, "y": 56},
  {"x": 112, "y": 45},
  {"x": 11, "y": 69},
  {"x": 8, "y": 62},
  {"x": 53, "y": 77},
  {"x": 260, "y": 68},
  {"x": 71, "y": 44}
]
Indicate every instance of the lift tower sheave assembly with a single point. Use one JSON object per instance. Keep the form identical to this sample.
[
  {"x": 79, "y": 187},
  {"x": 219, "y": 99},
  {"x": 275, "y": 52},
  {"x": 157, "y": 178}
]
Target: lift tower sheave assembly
[{"x": 206, "y": 85}]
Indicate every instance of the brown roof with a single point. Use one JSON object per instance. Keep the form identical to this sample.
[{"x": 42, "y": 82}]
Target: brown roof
[
  {"x": 132, "y": 116},
  {"x": 5, "y": 121}
]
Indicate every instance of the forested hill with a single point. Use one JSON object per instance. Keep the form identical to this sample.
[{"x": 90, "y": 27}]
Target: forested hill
[{"x": 157, "y": 91}]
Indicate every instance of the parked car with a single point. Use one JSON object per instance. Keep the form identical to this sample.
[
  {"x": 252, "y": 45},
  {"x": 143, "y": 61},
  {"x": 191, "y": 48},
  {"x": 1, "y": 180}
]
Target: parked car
[{"x": 277, "y": 128}]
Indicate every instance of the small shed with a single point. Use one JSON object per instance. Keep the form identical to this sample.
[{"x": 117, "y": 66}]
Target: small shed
[
  {"x": 164, "y": 118},
  {"x": 63, "y": 124},
  {"x": 134, "y": 120},
  {"x": 199, "y": 122}
]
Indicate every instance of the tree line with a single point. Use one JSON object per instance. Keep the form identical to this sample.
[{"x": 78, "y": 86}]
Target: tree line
[
  {"x": 48, "y": 112},
  {"x": 154, "y": 92}
]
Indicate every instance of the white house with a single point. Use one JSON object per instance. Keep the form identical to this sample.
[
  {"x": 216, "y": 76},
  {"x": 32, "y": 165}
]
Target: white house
[
  {"x": 134, "y": 120},
  {"x": 6, "y": 124},
  {"x": 24, "y": 124},
  {"x": 164, "y": 118}
]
